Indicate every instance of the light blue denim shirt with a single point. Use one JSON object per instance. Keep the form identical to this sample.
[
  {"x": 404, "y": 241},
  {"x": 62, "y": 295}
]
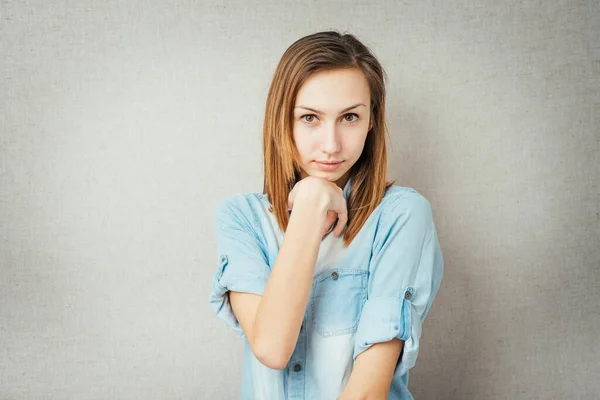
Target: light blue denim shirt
[{"x": 378, "y": 288}]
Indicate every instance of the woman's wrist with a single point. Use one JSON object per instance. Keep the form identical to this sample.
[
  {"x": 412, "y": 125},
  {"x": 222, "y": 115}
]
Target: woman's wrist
[
  {"x": 311, "y": 201},
  {"x": 310, "y": 209}
]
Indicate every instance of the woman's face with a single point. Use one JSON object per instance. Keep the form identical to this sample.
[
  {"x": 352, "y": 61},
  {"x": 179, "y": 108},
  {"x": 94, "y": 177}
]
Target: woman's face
[{"x": 330, "y": 123}]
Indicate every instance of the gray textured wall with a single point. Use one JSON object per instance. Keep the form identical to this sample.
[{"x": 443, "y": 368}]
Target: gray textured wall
[{"x": 123, "y": 123}]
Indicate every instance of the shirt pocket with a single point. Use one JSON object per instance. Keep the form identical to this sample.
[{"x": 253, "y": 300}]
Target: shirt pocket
[{"x": 338, "y": 298}]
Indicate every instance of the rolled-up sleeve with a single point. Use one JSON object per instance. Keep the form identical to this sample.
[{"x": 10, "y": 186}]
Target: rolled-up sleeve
[
  {"x": 242, "y": 260},
  {"x": 405, "y": 273}
]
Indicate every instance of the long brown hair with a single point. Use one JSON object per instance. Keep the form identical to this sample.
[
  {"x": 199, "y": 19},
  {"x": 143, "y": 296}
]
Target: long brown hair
[{"x": 308, "y": 55}]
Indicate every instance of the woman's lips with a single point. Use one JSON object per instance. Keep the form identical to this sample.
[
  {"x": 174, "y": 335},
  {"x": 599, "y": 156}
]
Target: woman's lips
[{"x": 328, "y": 166}]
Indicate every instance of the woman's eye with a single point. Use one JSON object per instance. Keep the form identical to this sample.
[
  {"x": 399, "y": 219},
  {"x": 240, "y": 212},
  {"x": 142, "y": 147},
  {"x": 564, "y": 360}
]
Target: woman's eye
[
  {"x": 308, "y": 118},
  {"x": 351, "y": 117}
]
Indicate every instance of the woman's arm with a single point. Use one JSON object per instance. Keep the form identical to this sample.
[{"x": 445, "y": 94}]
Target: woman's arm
[
  {"x": 272, "y": 321},
  {"x": 373, "y": 371},
  {"x": 405, "y": 271}
]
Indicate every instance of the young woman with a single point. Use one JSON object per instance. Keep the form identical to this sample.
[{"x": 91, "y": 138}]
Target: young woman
[{"x": 329, "y": 273}]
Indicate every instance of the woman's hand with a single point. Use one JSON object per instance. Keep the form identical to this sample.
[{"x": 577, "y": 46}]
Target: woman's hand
[{"x": 328, "y": 195}]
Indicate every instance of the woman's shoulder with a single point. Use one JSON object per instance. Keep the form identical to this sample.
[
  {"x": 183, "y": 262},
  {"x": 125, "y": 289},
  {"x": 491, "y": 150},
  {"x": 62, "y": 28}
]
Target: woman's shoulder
[
  {"x": 400, "y": 199},
  {"x": 242, "y": 206},
  {"x": 403, "y": 209}
]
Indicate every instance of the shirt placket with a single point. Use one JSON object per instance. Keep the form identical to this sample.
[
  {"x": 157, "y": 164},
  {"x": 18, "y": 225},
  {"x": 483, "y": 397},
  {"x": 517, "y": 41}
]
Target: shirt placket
[{"x": 297, "y": 367}]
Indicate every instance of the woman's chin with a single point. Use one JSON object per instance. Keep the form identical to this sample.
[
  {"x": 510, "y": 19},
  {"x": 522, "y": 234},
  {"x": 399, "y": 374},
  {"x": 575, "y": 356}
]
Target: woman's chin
[{"x": 330, "y": 176}]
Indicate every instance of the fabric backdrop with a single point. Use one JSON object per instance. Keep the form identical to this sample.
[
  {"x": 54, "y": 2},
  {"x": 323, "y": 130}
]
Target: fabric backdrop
[{"x": 124, "y": 123}]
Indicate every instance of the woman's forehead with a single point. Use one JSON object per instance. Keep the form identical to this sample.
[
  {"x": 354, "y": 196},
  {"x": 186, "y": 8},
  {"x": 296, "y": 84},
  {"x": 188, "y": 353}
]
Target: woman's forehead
[{"x": 332, "y": 91}]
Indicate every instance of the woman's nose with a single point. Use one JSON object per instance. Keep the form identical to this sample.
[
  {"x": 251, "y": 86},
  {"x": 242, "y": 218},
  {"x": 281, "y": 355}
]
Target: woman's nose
[{"x": 331, "y": 142}]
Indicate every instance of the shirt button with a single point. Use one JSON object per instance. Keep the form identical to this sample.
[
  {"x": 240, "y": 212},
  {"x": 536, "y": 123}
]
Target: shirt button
[
  {"x": 297, "y": 367},
  {"x": 334, "y": 276},
  {"x": 407, "y": 295}
]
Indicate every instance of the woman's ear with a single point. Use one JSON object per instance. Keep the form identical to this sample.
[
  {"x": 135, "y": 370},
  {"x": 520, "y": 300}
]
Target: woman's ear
[{"x": 370, "y": 123}]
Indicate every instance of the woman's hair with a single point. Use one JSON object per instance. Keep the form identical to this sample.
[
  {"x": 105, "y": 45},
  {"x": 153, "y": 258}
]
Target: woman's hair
[{"x": 311, "y": 54}]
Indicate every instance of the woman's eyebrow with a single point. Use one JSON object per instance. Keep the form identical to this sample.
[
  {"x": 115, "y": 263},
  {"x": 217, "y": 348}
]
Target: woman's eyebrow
[{"x": 321, "y": 112}]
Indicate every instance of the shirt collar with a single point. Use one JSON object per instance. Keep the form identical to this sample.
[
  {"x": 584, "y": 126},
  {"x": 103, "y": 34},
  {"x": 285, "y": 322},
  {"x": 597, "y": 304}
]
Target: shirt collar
[{"x": 347, "y": 188}]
